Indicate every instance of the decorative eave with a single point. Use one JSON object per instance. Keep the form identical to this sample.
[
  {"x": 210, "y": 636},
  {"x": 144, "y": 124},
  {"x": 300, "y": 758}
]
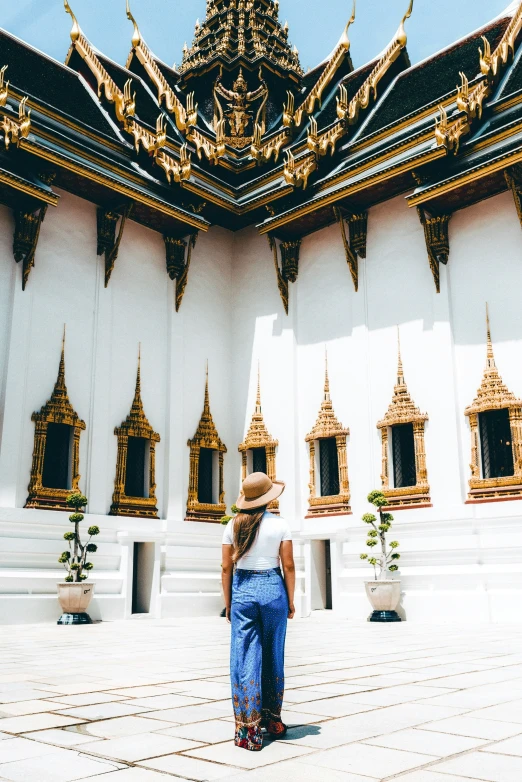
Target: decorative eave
[
  {"x": 492, "y": 394},
  {"x": 257, "y": 435},
  {"x": 206, "y": 435},
  {"x": 449, "y": 131},
  {"x": 402, "y": 409},
  {"x": 154, "y": 142},
  {"x": 185, "y": 117},
  {"x": 327, "y": 424}
]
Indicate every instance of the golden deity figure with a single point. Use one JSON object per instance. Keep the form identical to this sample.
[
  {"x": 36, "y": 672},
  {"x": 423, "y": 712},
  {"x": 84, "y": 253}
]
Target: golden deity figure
[{"x": 238, "y": 116}]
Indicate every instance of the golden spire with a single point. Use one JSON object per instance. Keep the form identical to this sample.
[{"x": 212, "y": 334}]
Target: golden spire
[
  {"x": 75, "y": 30},
  {"x": 206, "y": 435},
  {"x": 136, "y": 37},
  {"x": 492, "y": 394},
  {"x": 326, "y": 378},
  {"x": 137, "y": 404},
  {"x": 257, "y": 435},
  {"x": 400, "y": 370},
  {"x": 402, "y": 408},
  {"x": 401, "y": 36},
  {"x": 327, "y": 424},
  {"x": 59, "y": 387}
]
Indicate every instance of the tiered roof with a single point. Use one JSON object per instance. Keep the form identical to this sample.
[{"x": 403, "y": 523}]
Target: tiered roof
[{"x": 239, "y": 136}]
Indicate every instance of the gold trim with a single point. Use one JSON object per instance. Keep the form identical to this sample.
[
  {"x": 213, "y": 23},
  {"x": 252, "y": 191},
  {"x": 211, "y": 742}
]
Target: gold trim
[
  {"x": 259, "y": 437},
  {"x": 206, "y": 436},
  {"x": 135, "y": 425},
  {"x": 57, "y": 410},
  {"x": 493, "y": 394},
  {"x": 26, "y": 235},
  {"x": 436, "y": 236},
  {"x": 402, "y": 410},
  {"x": 327, "y": 426}
]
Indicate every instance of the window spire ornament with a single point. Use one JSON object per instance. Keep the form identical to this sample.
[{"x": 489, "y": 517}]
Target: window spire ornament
[
  {"x": 328, "y": 429},
  {"x": 403, "y": 411},
  {"x": 58, "y": 410},
  {"x": 493, "y": 395},
  {"x": 256, "y": 438},
  {"x": 204, "y": 467},
  {"x": 136, "y": 429}
]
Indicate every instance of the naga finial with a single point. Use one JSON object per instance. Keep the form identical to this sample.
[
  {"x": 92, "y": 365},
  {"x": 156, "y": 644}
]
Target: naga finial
[
  {"x": 401, "y": 36},
  {"x": 345, "y": 41},
  {"x": 75, "y": 30},
  {"x": 136, "y": 37}
]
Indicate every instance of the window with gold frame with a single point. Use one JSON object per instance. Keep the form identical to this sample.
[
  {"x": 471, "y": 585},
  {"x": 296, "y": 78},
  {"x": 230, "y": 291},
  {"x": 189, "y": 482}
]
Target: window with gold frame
[
  {"x": 260, "y": 446},
  {"x": 135, "y": 430},
  {"x": 404, "y": 421},
  {"x": 328, "y": 429},
  {"x": 56, "y": 413},
  {"x": 493, "y": 395},
  {"x": 206, "y": 447}
]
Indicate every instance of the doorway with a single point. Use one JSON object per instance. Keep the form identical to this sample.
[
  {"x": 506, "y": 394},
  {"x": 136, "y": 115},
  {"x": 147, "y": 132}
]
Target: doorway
[
  {"x": 321, "y": 575},
  {"x": 142, "y": 574}
]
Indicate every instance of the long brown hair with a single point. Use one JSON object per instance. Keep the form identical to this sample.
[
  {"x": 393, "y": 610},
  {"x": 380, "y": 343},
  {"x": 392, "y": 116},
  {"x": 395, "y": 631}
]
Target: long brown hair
[{"x": 246, "y": 527}]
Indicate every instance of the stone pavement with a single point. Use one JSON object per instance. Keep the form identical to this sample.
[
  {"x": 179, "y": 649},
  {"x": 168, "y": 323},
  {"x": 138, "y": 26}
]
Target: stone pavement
[{"x": 148, "y": 701}]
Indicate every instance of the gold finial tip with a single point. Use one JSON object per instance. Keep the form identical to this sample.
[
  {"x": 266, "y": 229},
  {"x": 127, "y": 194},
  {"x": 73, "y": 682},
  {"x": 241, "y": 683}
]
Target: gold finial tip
[
  {"x": 345, "y": 41},
  {"x": 401, "y": 36},
  {"x": 136, "y": 37},
  {"x": 75, "y": 30}
]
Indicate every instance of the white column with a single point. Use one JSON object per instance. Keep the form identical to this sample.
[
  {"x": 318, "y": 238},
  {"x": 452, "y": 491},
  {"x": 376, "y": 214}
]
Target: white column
[{"x": 14, "y": 478}]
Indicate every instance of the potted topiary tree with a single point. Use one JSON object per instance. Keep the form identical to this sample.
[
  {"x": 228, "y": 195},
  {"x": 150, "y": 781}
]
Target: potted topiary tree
[
  {"x": 76, "y": 593},
  {"x": 384, "y": 592}
]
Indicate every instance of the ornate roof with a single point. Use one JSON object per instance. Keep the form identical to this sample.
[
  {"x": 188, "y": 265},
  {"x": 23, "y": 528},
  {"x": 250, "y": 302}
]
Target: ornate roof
[
  {"x": 492, "y": 394},
  {"x": 402, "y": 409},
  {"x": 327, "y": 424},
  {"x": 247, "y": 30},
  {"x": 257, "y": 435}
]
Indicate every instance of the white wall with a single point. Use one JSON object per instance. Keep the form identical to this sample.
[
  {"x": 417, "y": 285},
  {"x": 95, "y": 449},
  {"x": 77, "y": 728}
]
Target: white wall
[{"x": 232, "y": 315}]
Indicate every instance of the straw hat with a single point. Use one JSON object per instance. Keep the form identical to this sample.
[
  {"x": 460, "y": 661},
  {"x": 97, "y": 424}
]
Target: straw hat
[{"x": 258, "y": 490}]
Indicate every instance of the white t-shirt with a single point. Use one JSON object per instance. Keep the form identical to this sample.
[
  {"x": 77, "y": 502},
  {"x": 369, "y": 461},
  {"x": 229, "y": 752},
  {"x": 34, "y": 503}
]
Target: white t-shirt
[{"x": 264, "y": 553}]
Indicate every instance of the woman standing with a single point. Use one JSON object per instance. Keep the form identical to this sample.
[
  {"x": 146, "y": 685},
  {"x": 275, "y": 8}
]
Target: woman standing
[{"x": 258, "y": 604}]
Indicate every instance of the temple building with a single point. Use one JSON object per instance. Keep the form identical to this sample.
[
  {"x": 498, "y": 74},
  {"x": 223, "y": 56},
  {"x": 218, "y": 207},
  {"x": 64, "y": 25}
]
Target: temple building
[{"x": 234, "y": 265}]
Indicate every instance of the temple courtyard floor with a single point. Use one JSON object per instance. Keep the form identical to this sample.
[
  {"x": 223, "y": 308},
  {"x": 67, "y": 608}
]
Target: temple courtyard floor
[{"x": 148, "y": 701}]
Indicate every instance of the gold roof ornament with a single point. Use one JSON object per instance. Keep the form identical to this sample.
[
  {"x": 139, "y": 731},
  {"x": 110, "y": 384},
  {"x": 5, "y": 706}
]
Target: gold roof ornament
[
  {"x": 206, "y": 435},
  {"x": 402, "y": 409},
  {"x": 492, "y": 394},
  {"x": 257, "y": 435},
  {"x": 327, "y": 424}
]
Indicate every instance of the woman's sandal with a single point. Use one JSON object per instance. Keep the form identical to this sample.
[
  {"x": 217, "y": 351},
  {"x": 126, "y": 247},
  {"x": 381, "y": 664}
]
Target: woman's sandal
[{"x": 276, "y": 729}]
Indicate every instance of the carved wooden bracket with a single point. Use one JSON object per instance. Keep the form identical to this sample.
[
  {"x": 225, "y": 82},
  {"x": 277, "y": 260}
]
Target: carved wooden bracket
[
  {"x": 437, "y": 241},
  {"x": 177, "y": 266},
  {"x": 26, "y": 234},
  {"x": 108, "y": 241},
  {"x": 355, "y": 242},
  {"x": 513, "y": 177},
  {"x": 289, "y": 268}
]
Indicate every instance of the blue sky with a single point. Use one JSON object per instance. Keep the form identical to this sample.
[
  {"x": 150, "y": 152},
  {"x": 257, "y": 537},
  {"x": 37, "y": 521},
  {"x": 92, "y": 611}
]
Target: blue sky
[{"x": 315, "y": 25}]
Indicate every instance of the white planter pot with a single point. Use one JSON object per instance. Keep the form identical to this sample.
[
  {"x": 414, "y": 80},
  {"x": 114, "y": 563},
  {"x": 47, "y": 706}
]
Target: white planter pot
[
  {"x": 74, "y": 600},
  {"x": 384, "y": 595}
]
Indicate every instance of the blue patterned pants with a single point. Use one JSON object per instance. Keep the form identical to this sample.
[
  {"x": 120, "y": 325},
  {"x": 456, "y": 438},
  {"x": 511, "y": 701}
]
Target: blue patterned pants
[{"x": 259, "y": 617}]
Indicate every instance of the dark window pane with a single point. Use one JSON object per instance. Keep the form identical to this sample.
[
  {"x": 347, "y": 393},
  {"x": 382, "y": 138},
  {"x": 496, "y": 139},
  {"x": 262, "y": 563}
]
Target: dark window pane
[
  {"x": 205, "y": 475},
  {"x": 259, "y": 460},
  {"x": 57, "y": 457},
  {"x": 495, "y": 441},
  {"x": 329, "y": 467},
  {"x": 403, "y": 446},
  {"x": 135, "y": 472}
]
